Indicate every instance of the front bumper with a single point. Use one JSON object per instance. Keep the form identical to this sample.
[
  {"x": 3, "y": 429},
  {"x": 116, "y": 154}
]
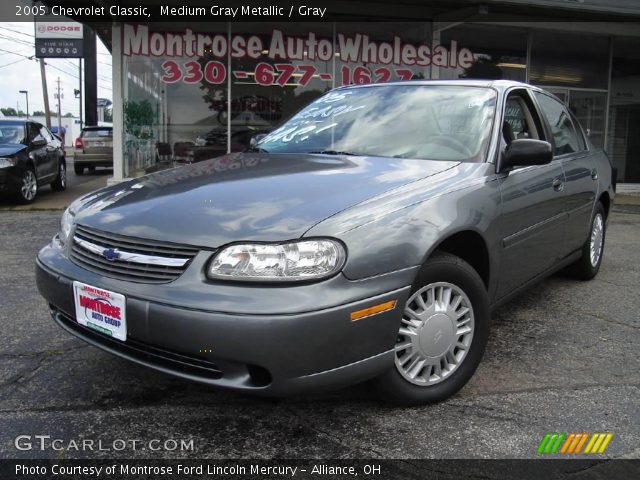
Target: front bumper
[{"x": 298, "y": 350}]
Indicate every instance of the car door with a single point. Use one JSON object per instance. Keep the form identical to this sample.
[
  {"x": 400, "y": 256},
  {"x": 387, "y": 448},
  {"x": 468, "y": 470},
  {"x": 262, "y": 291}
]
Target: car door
[
  {"x": 37, "y": 153},
  {"x": 51, "y": 151},
  {"x": 533, "y": 216},
  {"x": 581, "y": 176}
]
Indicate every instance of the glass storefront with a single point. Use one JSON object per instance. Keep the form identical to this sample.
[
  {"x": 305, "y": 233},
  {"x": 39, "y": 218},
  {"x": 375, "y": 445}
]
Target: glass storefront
[
  {"x": 623, "y": 142},
  {"x": 196, "y": 92}
]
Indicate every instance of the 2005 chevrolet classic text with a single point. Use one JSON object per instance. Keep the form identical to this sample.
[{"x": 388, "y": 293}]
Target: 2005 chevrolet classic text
[{"x": 367, "y": 238}]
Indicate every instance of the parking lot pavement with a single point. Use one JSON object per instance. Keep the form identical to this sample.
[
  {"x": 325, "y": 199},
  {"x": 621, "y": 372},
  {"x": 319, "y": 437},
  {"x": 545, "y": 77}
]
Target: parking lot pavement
[
  {"x": 562, "y": 357},
  {"x": 77, "y": 185}
]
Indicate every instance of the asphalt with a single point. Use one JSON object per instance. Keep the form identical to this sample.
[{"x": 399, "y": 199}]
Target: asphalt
[{"x": 562, "y": 357}]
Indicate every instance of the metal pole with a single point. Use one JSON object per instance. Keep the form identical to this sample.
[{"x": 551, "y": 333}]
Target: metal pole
[
  {"x": 59, "y": 109},
  {"x": 45, "y": 95},
  {"x": 80, "y": 96}
]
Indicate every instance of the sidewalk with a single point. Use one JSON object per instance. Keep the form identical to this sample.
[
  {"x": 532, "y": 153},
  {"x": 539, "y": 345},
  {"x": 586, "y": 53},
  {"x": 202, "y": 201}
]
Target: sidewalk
[{"x": 628, "y": 194}]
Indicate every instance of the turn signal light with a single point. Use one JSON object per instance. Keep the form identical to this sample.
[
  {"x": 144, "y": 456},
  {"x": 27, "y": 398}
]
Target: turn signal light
[{"x": 369, "y": 311}]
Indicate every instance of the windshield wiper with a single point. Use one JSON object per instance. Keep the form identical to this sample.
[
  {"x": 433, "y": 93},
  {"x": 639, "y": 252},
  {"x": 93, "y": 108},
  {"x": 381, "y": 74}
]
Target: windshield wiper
[{"x": 333, "y": 152}]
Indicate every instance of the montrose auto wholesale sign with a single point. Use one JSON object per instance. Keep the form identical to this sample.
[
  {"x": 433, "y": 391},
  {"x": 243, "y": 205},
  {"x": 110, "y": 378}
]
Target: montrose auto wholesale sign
[
  {"x": 58, "y": 39},
  {"x": 281, "y": 58}
]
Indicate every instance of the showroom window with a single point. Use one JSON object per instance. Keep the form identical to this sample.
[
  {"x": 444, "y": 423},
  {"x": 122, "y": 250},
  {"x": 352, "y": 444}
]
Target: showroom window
[{"x": 498, "y": 52}]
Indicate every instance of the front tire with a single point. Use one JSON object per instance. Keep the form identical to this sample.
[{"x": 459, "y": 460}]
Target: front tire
[
  {"x": 588, "y": 265},
  {"x": 28, "y": 186},
  {"x": 60, "y": 183},
  {"x": 442, "y": 336}
]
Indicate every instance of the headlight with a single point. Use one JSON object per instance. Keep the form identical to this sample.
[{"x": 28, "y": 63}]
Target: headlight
[
  {"x": 69, "y": 215},
  {"x": 292, "y": 261},
  {"x": 66, "y": 222},
  {"x": 6, "y": 162}
]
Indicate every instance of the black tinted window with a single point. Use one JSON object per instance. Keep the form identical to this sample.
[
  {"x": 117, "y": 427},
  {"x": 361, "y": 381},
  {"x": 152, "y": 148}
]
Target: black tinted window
[{"x": 562, "y": 129}]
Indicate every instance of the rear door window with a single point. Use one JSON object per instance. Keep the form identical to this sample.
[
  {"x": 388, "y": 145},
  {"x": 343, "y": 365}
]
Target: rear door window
[
  {"x": 562, "y": 128},
  {"x": 106, "y": 132}
]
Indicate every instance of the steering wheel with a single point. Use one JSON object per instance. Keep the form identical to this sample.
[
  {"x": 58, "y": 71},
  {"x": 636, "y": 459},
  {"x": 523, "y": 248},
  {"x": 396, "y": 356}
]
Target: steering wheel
[{"x": 452, "y": 143}]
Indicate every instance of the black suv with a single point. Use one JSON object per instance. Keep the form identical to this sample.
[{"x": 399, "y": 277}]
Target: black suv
[{"x": 30, "y": 156}]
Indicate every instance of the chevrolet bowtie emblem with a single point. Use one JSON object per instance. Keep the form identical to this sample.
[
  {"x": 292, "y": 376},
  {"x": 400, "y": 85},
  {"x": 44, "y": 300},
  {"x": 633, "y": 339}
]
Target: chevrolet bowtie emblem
[{"x": 111, "y": 253}]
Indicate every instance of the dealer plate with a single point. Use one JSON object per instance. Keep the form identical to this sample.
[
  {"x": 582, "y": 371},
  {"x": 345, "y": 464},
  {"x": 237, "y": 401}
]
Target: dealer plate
[{"x": 100, "y": 310}]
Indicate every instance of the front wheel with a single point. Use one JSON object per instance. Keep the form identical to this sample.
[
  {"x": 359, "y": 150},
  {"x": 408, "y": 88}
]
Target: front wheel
[
  {"x": 442, "y": 335},
  {"x": 28, "y": 186}
]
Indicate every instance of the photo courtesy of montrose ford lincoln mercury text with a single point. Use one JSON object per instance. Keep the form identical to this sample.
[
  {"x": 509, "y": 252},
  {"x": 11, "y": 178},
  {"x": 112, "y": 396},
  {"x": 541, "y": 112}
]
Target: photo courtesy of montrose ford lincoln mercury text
[{"x": 367, "y": 238}]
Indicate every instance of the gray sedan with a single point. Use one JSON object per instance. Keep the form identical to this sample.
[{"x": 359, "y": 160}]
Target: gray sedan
[{"x": 367, "y": 238}]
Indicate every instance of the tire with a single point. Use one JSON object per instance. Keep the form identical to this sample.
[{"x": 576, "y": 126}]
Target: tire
[
  {"x": 441, "y": 272},
  {"x": 79, "y": 169},
  {"x": 60, "y": 183},
  {"x": 92, "y": 169},
  {"x": 28, "y": 189},
  {"x": 586, "y": 268}
]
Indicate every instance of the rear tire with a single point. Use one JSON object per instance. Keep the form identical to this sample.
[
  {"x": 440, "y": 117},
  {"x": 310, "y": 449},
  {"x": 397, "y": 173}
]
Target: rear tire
[
  {"x": 588, "y": 265},
  {"x": 79, "y": 169},
  {"x": 60, "y": 183},
  {"x": 442, "y": 336},
  {"x": 28, "y": 186}
]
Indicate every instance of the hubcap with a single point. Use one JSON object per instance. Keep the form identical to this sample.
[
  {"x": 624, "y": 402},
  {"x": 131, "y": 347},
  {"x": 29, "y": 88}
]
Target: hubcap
[
  {"x": 63, "y": 175},
  {"x": 597, "y": 239},
  {"x": 29, "y": 185},
  {"x": 435, "y": 335}
]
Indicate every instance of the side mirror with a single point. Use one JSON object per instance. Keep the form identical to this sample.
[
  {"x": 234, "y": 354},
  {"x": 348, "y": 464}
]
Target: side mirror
[
  {"x": 256, "y": 138},
  {"x": 39, "y": 141},
  {"x": 525, "y": 151}
]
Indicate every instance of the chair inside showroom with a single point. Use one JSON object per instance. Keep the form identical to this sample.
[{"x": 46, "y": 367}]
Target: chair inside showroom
[
  {"x": 163, "y": 152},
  {"x": 182, "y": 152}
]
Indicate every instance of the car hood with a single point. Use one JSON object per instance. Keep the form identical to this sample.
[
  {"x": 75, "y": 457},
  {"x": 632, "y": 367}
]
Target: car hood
[
  {"x": 10, "y": 149},
  {"x": 246, "y": 196}
]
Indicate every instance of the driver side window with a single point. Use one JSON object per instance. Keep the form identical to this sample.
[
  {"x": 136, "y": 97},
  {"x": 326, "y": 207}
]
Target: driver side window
[
  {"x": 32, "y": 132},
  {"x": 518, "y": 122}
]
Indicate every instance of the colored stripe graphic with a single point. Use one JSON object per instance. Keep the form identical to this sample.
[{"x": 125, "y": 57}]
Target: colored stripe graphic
[{"x": 572, "y": 443}]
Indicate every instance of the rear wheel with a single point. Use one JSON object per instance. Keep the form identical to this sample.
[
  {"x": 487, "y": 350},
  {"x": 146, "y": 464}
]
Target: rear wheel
[
  {"x": 28, "y": 186},
  {"x": 442, "y": 335},
  {"x": 588, "y": 265},
  {"x": 60, "y": 183},
  {"x": 79, "y": 169}
]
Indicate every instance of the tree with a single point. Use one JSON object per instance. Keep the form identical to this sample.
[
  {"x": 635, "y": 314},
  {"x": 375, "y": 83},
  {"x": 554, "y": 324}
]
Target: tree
[
  {"x": 108, "y": 114},
  {"x": 68, "y": 115},
  {"x": 9, "y": 112},
  {"x": 38, "y": 113}
]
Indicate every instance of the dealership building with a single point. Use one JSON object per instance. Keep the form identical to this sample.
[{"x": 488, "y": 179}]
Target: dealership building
[{"x": 186, "y": 91}]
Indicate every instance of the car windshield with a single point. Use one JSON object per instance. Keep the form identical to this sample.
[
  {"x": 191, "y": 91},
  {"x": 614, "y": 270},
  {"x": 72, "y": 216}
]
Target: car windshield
[
  {"x": 11, "y": 133},
  {"x": 435, "y": 122}
]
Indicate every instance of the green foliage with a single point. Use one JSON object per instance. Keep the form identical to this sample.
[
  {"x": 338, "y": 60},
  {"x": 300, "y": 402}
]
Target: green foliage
[{"x": 139, "y": 118}]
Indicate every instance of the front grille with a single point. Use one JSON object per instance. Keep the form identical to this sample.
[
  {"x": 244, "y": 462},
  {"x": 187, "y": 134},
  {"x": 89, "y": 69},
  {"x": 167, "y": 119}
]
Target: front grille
[
  {"x": 136, "y": 350},
  {"x": 133, "y": 271}
]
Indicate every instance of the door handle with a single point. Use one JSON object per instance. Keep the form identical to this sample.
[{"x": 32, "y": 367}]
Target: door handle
[
  {"x": 558, "y": 185},
  {"x": 594, "y": 174}
]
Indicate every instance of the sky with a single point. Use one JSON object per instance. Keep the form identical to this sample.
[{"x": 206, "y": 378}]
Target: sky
[{"x": 16, "y": 44}]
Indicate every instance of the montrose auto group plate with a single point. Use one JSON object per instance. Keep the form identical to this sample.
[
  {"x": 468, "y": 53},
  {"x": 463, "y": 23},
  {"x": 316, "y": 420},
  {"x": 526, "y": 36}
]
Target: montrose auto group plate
[{"x": 100, "y": 310}]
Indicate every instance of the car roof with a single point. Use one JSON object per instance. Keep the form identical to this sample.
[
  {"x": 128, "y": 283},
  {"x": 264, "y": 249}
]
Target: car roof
[
  {"x": 496, "y": 84},
  {"x": 7, "y": 121}
]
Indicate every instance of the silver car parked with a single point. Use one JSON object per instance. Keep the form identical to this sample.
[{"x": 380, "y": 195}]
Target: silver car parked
[{"x": 367, "y": 238}]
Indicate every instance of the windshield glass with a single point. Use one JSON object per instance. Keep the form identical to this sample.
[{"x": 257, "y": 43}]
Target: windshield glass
[
  {"x": 11, "y": 133},
  {"x": 403, "y": 121}
]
